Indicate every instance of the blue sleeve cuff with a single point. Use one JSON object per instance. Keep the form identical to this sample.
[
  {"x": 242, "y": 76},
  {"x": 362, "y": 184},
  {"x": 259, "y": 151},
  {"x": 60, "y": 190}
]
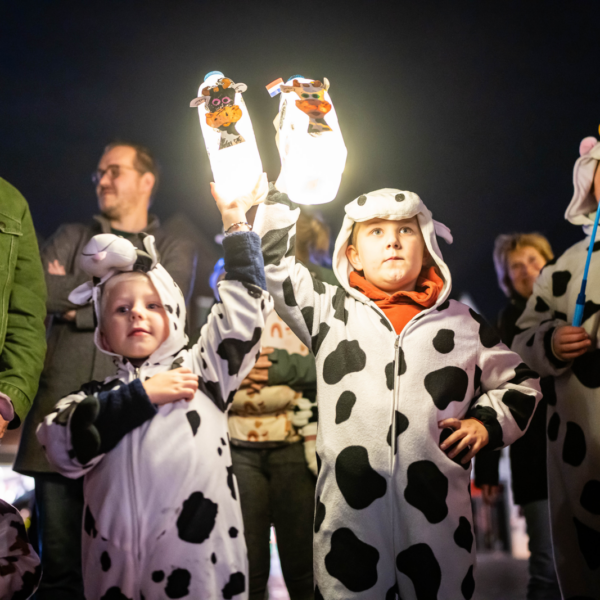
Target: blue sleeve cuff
[{"x": 244, "y": 259}]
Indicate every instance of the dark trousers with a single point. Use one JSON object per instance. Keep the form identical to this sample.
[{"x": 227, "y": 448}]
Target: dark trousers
[
  {"x": 59, "y": 507},
  {"x": 276, "y": 487}
]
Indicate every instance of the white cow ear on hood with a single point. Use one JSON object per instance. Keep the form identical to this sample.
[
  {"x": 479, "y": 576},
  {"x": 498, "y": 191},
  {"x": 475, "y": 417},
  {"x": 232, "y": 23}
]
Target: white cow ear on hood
[
  {"x": 83, "y": 294},
  {"x": 583, "y": 202}
]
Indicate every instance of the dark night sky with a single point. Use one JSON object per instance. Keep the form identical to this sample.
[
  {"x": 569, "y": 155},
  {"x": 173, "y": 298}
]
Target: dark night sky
[{"x": 478, "y": 107}]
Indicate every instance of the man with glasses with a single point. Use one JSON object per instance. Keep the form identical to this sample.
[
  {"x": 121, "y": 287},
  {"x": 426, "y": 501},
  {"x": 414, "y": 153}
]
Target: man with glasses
[{"x": 125, "y": 181}]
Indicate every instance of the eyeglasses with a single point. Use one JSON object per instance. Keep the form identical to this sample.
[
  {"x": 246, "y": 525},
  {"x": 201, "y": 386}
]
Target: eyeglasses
[{"x": 113, "y": 172}]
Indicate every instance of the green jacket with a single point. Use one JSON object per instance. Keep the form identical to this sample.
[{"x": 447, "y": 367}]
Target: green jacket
[{"x": 23, "y": 304}]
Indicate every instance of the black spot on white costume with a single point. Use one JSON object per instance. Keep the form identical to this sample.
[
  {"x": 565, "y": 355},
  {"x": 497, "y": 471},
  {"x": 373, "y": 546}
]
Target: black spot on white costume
[
  {"x": 378, "y": 437},
  {"x": 160, "y": 505}
]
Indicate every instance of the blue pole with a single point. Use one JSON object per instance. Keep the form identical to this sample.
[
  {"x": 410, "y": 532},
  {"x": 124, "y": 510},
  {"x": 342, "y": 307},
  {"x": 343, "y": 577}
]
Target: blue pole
[{"x": 580, "y": 304}]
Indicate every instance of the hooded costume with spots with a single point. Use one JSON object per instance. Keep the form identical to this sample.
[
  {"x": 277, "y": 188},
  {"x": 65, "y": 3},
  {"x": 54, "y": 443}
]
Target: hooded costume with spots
[
  {"x": 574, "y": 408},
  {"x": 393, "y": 512},
  {"x": 162, "y": 516}
]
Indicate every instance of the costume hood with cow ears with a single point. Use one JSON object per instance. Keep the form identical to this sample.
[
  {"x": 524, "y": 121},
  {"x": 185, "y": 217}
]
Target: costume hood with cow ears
[
  {"x": 107, "y": 255},
  {"x": 392, "y": 205},
  {"x": 583, "y": 204}
]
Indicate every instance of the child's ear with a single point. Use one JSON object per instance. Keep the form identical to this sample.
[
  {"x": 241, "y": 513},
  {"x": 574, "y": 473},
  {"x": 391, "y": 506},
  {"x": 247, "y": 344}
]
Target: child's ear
[
  {"x": 354, "y": 258},
  {"x": 104, "y": 342}
]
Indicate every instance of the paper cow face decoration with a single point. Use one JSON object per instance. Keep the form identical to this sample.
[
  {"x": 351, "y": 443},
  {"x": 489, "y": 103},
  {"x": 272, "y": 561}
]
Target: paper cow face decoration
[
  {"x": 311, "y": 102},
  {"x": 222, "y": 111}
]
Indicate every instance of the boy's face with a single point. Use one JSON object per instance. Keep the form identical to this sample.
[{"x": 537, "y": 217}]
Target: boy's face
[
  {"x": 134, "y": 321},
  {"x": 390, "y": 253}
]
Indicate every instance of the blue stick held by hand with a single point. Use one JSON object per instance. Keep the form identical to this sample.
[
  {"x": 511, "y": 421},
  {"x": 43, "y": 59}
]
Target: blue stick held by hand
[{"x": 580, "y": 305}]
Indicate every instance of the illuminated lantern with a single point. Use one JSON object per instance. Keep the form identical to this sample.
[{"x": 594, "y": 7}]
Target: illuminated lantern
[
  {"x": 309, "y": 139},
  {"x": 228, "y": 135}
]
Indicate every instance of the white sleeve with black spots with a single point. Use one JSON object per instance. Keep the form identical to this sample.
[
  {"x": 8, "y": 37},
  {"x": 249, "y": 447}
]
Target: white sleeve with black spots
[
  {"x": 54, "y": 435},
  {"x": 537, "y": 325},
  {"x": 302, "y": 301},
  {"x": 229, "y": 342}
]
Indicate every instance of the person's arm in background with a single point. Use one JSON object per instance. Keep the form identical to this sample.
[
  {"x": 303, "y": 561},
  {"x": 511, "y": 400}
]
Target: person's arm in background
[{"x": 22, "y": 357}]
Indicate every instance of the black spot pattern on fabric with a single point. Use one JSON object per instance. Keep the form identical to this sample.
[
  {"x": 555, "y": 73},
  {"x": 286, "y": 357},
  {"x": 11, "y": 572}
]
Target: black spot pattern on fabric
[
  {"x": 553, "y": 427},
  {"x": 361, "y": 200},
  {"x": 463, "y": 536},
  {"x": 338, "y": 303},
  {"x": 444, "y": 435},
  {"x": 194, "y": 420},
  {"x": 589, "y": 544},
  {"x": 540, "y": 305},
  {"x": 401, "y": 425},
  {"x": 213, "y": 390},
  {"x": 178, "y": 583},
  {"x": 468, "y": 584},
  {"x": 530, "y": 341},
  {"x": 521, "y": 406},
  {"x": 419, "y": 564},
  {"x": 590, "y": 497},
  {"x": 292, "y": 247},
  {"x": 274, "y": 245},
  {"x": 352, "y": 561},
  {"x": 443, "y": 306},
  {"x": 587, "y": 369},
  {"x": 427, "y": 489},
  {"x": 169, "y": 308},
  {"x": 114, "y": 593},
  {"x": 213, "y": 558},
  {"x": 392, "y": 593},
  {"x": 318, "y": 285},
  {"x": 347, "y": 358},
  {"x": 253, "y": 290},
  {"x": 344, "y": 406},
  {"x": 320, "y": 511},
  {"x": 236, "y": 585},
  {"x": 177, "y": 311},
  {"x": 288, "y": 292},
  {"x": 560, "y": 315},
  {"x": 389, "y": 375},
  {"x": 29, "y": 582},
  {"x": 197, "y": 518},
  {"x": 477, "y": 378},
  {"x": 105, "y": 561},
  {"x": 574, "y": 448},
  {"x": 234, "y": 351},
  {"x": 233, "y": 532},
  {"x": 317, "y": 340},
  {"x": 487, "y": 334},
  {"x": 308, "y": 314},
  {"x": 401, "y": 362},
  {"x": 446, "y": 385},
  {"x": 230, "y": 483},
  {"x": 590, "y": 309},
  {"x": 399, "y": 197},
  {"x": 549, "y": 391},
  {"x": 489, "y": 417},
  {"x": 443, "y": 341},
  {"x": 560, "y": 281},
  {"x": 359, "y": 483},
  {"x": 158, "y": 576},
  {"x": 523, "y": 373},
  {"x": 89, "y": 523},
  {"x": 220, "y": 452}
]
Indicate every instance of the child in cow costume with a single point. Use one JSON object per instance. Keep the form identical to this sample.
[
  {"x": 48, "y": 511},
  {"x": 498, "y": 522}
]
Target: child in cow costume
[
  {"x": 162, "y": 516},
  {"x": 552, "y": 346},
  {"x": 410, "y": 386}
]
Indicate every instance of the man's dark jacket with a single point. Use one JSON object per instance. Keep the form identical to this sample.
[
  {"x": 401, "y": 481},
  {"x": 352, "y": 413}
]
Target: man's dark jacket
[{"x": 72, "y": 358}]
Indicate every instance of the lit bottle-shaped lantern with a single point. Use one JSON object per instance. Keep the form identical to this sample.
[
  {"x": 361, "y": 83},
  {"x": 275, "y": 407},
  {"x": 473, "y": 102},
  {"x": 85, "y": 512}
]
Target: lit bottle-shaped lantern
[
  {"x": 309, "y": 139},
  {"x": 228, "y": 135}
]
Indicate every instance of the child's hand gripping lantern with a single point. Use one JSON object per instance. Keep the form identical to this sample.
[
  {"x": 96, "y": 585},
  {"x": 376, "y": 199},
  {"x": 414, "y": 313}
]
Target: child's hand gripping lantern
[
  {"x": 228, "y": 135},
  {"x": 309, "y": 139}
]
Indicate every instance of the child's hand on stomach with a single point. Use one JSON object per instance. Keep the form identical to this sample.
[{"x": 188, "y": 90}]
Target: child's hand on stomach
[
  {"x": 569, "y": 342},
  {"x": 469, "y": 433},
  {"x": 171, "y": 386}
]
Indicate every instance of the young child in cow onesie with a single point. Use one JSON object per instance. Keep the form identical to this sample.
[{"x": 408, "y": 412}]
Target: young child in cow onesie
[
  {"x": 410, "y": 386},
  {"x": 162, "y": 516},
  {"x": 572, "y": 355}
]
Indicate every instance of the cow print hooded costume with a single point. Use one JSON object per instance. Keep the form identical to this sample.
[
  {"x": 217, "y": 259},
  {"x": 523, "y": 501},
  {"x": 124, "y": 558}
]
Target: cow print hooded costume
[
  {"x": 393, "y": 512},
  {"x": 162, "y": 516},
  {"x": 574, "y": 409}
]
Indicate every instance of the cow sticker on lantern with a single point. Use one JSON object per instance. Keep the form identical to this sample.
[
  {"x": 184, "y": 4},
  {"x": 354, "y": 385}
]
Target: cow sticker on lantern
[{"x": 311, "y": 102}]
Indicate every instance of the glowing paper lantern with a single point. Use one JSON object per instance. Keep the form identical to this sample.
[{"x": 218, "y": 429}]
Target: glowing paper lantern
[
  {"x": 228, "y": 135},
  {"x": 309, "y": 139}
]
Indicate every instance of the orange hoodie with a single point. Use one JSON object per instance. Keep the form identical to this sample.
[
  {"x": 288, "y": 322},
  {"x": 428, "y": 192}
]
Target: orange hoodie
[{"x": 401, "y": 307}]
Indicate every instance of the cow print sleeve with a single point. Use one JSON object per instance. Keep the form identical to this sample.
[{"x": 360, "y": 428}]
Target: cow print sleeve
[
  {"x": 19, "y": 564},
  {"x": 506, "y": 390},
  {"x": 538, "y": 322},
  {"x": 302, "y": 301}
]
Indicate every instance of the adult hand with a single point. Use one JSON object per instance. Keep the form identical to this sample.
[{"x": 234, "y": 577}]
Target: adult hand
[
  {"x": 3, "y": 425},
  {"x": 490, "y": 493},
  {"x": 233, "y": 210},
  {"x": 569, "y": 342},
  {"x": 171, "y": 386},
  {"x": 55, "y": 268},
  {"x": 467, "y": 433},
  {"x": 70, "y": 315}
]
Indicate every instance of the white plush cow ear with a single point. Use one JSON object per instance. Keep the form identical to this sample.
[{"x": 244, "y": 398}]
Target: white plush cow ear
[
  {"x": 240, "y": 88},
  {"x": 83, "y": 294},
  {"x": 587, "y": 144},
  {"x": 197, "y": 101},
  {"x": 150, "y": 246},
  {"x": 442, "y": 231}
]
